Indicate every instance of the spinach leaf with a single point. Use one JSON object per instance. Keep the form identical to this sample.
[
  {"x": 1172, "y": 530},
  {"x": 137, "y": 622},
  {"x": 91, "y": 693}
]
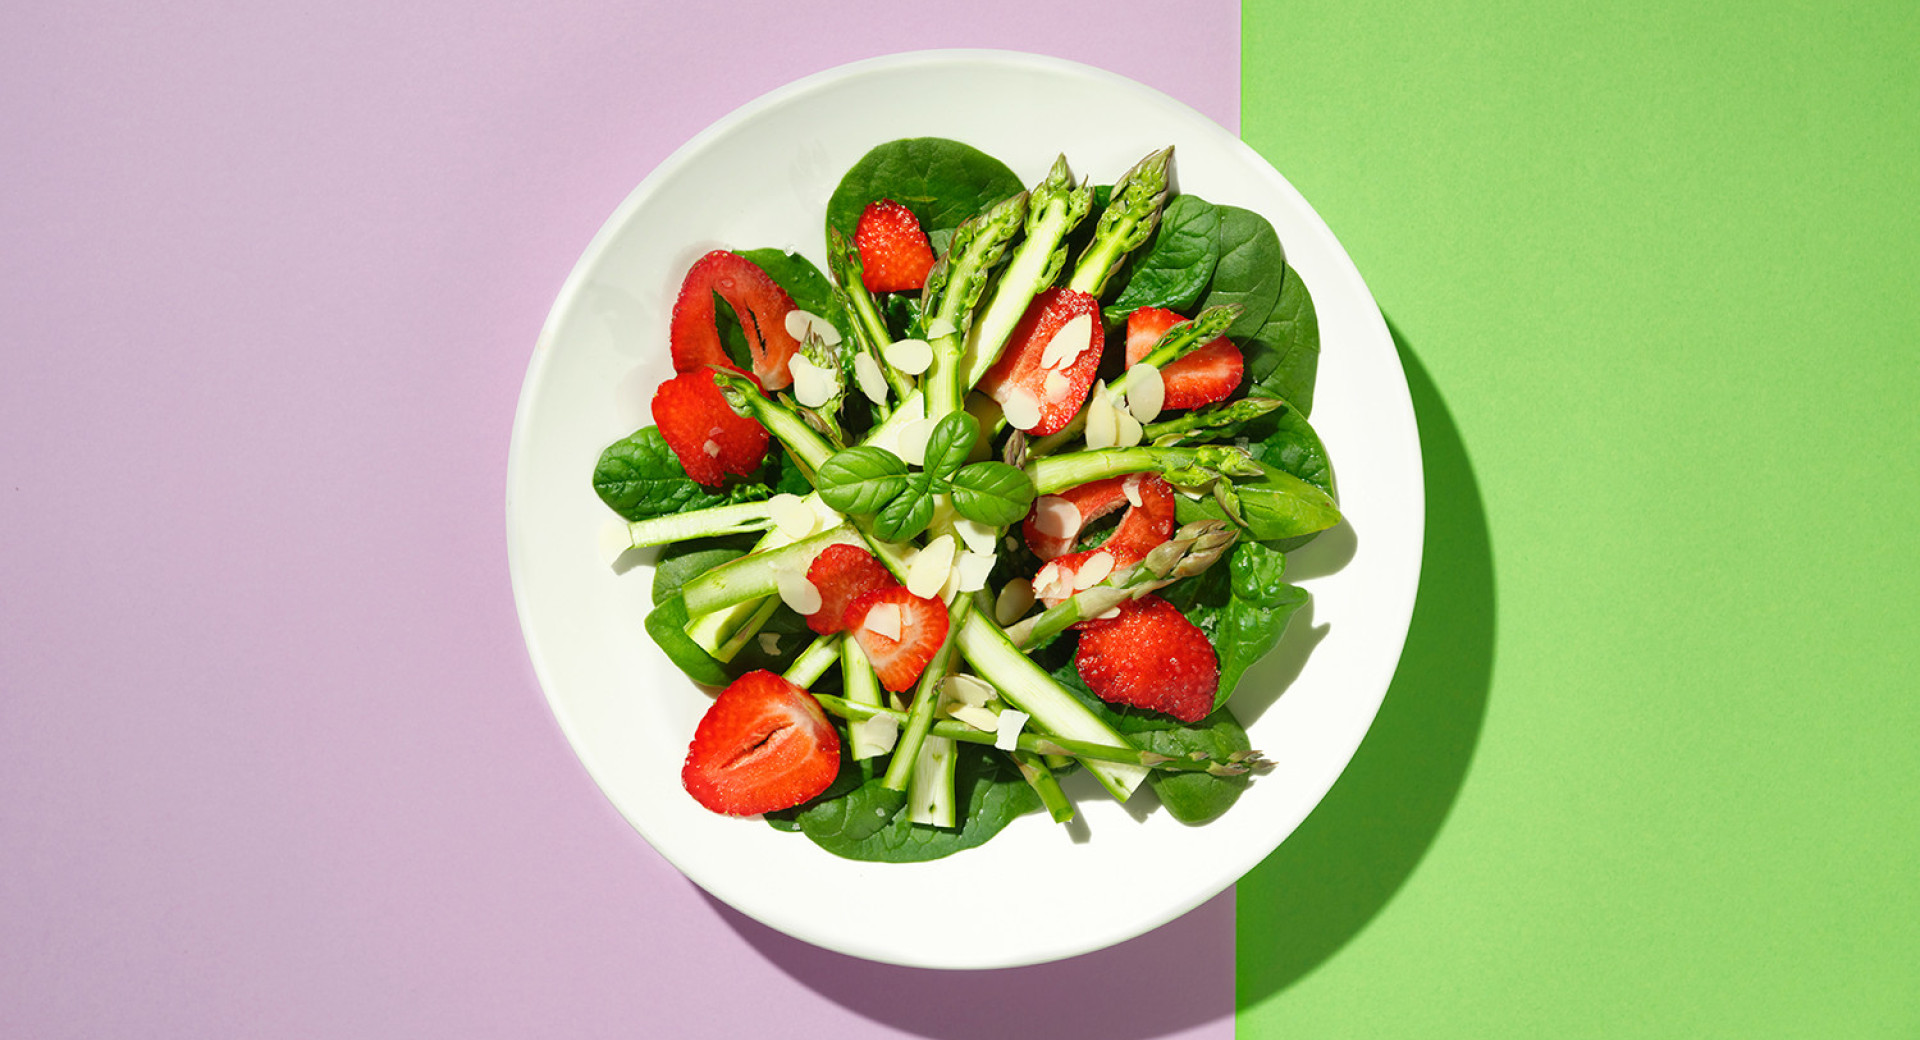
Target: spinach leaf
[
  {"x": 942, "y": 181},
  {"x": 908, "y": 515},
  {"x": 867, "y": 824},
  {"x": 790, "y": 635},
  {"x": 903, "y": 316},
  {"x": 1243, "y": 608},
  {"x": 862, "y": 479},
  {"x": 733, "y": 334},
  {"x": 639, "y": 477},
  {"x": 1196, "y": 797},
  {"x": 1283, "y": 355},
  {"x": 991, "y": 493},
  {"x": 667, "y": 624},
  {"x": 1286, "y": 441},
  {"x": 952, "y": 439},
  {"x": 1249, "y": 272},
  {"x": 810, "y": 290},
  {"x": 676, "y": 568},
  {"x": 1274, "y": 506},
  {"x": 1176, "y": 265}
]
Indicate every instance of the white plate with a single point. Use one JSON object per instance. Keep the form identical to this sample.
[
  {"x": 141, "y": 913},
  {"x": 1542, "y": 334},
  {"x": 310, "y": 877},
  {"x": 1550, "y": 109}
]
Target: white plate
[{"x": 761, "y": 177}]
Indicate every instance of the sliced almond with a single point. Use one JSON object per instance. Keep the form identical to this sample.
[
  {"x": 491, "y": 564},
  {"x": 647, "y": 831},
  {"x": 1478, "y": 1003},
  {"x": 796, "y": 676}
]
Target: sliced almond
[
  {"x": 802, "y": 323},
  {"x": 873, "y": 382},
  {"x": 883, "y": 619},
  {"x": 1103, "y": 430},
  {"x": 769, "y": 642},
  {"x": 971, "y": 571},
  {"x": 1147, "y": 393},
  {"x": 1108, "y": 614},
  {"x": 874, "y": 736},
  {"x": 1006, "y": 735},
  {"x": 1055, "y": 386},
  {"x": 975, "y": 535},
  {"x": 1069, "y": 343},
  {"x": 978, "y": 718},
  {"x": 968, "y": 689},
  {"x": 1022, "y": 411},
  {"x": 813, "y": 386},
  {"x": 939, "y": 327},
  {"x": 1127, "y": 430},
  {"x": 1013, "y": 603},
  {"x": 712, "y": 449},
  {"x": 930, "y": 567},
  {"x": 1056, "y": 517},
  {"x": 912, "y": 445},
  {"x": 1132, "y": 490},
  {"x": 796, "y": 591},
  {"x": 912, "y": 356},
  {"x": 1093, "y": 572},
  {"x": 793, "y": 516}
]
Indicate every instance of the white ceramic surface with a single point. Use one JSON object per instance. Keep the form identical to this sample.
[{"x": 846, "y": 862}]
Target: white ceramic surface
[{"x": 761, "y": 177}]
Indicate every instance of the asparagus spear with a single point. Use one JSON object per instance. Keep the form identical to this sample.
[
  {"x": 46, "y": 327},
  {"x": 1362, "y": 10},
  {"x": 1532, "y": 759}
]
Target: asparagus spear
[
  {"x": 926, "y": 695},
  {"x": 870, "y": 332},
  {"x": 1192, "y": 549},
  {"x": 1126, "y": 223},
  {"x": 1054, "y": 207},
  {"x": 1183, "y": 467},
  {"x": 953, "y": 288},
  {"x": 1173, "y": 431}
]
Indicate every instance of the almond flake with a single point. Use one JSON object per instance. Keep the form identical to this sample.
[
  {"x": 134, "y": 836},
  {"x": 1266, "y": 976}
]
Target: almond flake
[
  {"x": 968, "y": 689},
  {"x": 1103, "y": 429},
  {"x": 796, "y": 591},
  {"x": 874, "y": 736},
  {"x": 913, "y": 441},
  {"x": 813, "y": 386},
  {"x": 971, "y": 571},
  {"x": 793, "y": 516},
  {"x": 1127, "y": 430},
  {"x": 1069, "y": 343},
  {"x": 1108, "y": 614},
  {"x": 769, "y": 642},
  {"x": 883, "y": 619},
  {"x": 1132, "y": 490},
  {"x": 912, "y": 356},
  {"x": 711, "y": 448},
  {"x": 977, "y": 536},
  {"x": 1020, "y": 408},
  {"x": 1148, "y": 394},
  {"x": 1055, "y": 386},
  {"x": 930, "y": 567},
  {"x": 873, "y": 383},
  {"x": 1094, "y": 571},
  {"x": 800, "y": 323},
  {"x": 1006, "y": 735},
  {"x": 978, "y": 718},
  {"x": 939, "y": 327},
  {"x": 1013, "y": 603}
]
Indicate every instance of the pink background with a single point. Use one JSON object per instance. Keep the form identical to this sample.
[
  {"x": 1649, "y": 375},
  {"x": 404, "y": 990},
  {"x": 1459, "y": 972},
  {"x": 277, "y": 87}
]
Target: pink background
[{"x": 273, "y": 759}]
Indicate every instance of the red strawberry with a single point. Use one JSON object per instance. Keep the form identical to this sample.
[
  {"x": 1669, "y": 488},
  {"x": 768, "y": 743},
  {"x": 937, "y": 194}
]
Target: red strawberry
[
  {"x": 763, "y": 745},
  {"x": 1151, "y": 657},
  {"x": 843, "y": 573},
  {"x": 1021, "y": 375},
  {"x": 1208, "y": 374},
  {"x": 759, "y": 301},
  {"x": 1145, "y": 525},
  {"x": 707, "y": 437},
  {"x": 923, "y": 627},
  {"x": 894, "y": 253},
  {"x": 1062, "y": 577}
]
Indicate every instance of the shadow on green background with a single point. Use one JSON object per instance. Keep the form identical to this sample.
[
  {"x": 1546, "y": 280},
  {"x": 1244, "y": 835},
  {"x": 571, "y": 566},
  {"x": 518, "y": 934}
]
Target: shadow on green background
[{"x": 1346, "y": 861}]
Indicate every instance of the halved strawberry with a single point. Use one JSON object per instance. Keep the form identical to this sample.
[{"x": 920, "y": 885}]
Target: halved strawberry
[
  {"x": 1145, "y": 525},
  {"x": 1075, "y": 572},
  {"x": 1208, "y": 374},
  {"x": 1021, "y": 380},
  {"x": 763, "y": 745},
  {"x": 894, "y": 253},
  {"x": 706, "y": 436},
  {"x": 899, "y": 631},
  {"x": 843, "y": 573},
  {"x": 759, "y": 301},
  {"x": 1151, "y": 657}
]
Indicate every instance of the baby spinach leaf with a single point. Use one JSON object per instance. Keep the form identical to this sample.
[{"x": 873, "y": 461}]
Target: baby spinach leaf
[
  {"x": 909, "y": 514},
  {"x": 1286, "y": 441},
  {"x": 953, "y": 437},
  {"x": 1284, "y": 353},
  {"x": 903, "y": 316},
  {"x": 667, "y": 624},
  {"x": 789, "y": 635},
  {"x": 639, "y": 477},
  {"x": 942, "y": 181},
  {"x": 1243, "y": 608},
  {"x": 991, "y": 493},
  {"x": 862, "y": 479},
  {"x": 1249, "y": 271},
  {"x": 733, "y": 334},
  {"x": 677, "y": 568},
  {"x": 810, "y": 290},
  {"x": 1176, "y": 265},
  {"x": 867, "y": 824},
  {"x": 1274, "y": 506},
  {"x": 1196, "y": 797}
]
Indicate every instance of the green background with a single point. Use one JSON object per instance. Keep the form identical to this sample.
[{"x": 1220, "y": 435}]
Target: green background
[{"x": 1649, "y": 766}]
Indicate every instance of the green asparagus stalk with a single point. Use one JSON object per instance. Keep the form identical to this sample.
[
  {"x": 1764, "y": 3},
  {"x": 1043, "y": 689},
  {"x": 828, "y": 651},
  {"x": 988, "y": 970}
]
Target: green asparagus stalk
[
  {"x": 954, "y": 287},
  {"x": 1183, "y": 467},
  {"x": 870, "y": 331},
  {"x": 802, "y": 441},
  {"x": 821, "y": 654},
  {"x": 1088, "y": 751},
  {"x": 1054, "y": 207},
  {"x": 926, "y": 695},
  {"x": 1126, "y": 223},
  {"x": 742, "y": 518},
  {"x": 1033, "y": 768},
  {"x": 1191, "y": 550},
  {"x": 1173, "y": 431}
]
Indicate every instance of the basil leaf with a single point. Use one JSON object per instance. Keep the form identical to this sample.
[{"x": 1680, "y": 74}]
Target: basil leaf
[
  {"x": 1283, "y": 355},
  {"x": 952, "y": 439},
  {"x": 639, "y": 477},
  {"x": 867, "y": 824},
  {"x": 1250, "y": 270},
  {"x": 1176, "y": 265},
  {"x": 809, "y": 289},
  {"x": 909, "y": 514},
  {"x": 862, "y": 479},
  {"x": 991, "y": 493},
  {"x": 942, "y": 181}
]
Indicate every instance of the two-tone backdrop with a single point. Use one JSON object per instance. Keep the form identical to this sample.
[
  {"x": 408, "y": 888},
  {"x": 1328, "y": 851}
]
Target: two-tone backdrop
[{"x": 273, "y": 762}]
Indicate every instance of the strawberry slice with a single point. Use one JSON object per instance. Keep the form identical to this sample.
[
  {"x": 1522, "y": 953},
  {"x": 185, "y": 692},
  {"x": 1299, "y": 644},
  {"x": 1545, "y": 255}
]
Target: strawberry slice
[
  {"x": 763, "y": 745},
  {"x": 899, "y": 631},
  {"x": 1023, "y": 381},
  {"x": 1052, "y": 528},
  {"x": 1151, "y": 657},
  {"x": 708, "y": 438},
  {"x": 759, "y": 301},
  {"x": 894, "y": 253},
  {"x": 843, "y": 573},
  {"x": 1208, "y": 374}
]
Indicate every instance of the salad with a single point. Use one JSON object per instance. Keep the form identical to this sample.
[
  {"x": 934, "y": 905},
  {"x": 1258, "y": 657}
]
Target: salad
[{"x": 1003, "y": 494}]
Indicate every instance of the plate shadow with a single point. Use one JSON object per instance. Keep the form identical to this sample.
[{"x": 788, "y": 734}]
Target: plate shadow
[{"x": 1334, "y": 875}]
